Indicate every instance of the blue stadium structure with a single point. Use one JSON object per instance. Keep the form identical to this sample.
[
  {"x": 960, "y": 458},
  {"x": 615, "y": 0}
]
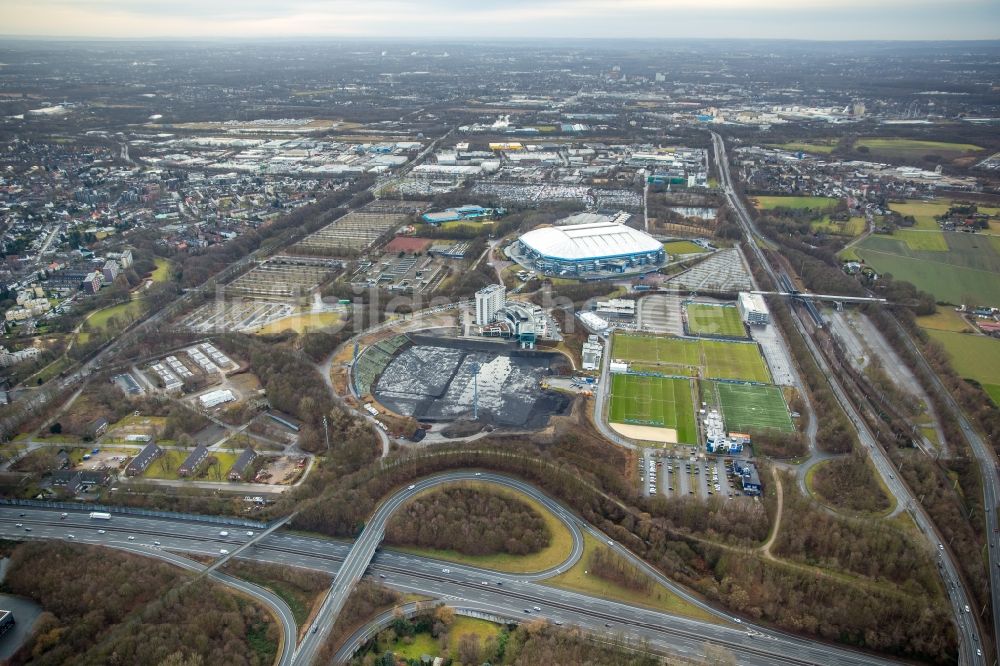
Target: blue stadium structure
[{"x": 463, "y": 213}]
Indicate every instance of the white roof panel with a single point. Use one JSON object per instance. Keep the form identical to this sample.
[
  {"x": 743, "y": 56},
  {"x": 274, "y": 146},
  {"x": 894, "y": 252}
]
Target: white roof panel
[{"x": 597, "y": 240}]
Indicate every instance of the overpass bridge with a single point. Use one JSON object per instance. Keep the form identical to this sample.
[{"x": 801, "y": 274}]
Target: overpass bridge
[
  {"x": 249, "y": 542},
  {"x": 363, "y": 550},
  {"x": 821, "y": 297}
]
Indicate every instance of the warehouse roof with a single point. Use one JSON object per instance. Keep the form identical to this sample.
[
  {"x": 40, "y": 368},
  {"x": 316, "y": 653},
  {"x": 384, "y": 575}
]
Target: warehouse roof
[{"x": 590, "y": 241}]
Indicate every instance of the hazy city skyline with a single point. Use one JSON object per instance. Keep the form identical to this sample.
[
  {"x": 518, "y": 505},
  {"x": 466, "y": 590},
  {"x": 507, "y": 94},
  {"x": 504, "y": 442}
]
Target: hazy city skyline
[{"x": 784, "y": 19}]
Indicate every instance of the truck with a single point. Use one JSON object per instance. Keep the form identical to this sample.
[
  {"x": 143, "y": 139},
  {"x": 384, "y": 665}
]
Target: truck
[{"x": 100, "y": 515}]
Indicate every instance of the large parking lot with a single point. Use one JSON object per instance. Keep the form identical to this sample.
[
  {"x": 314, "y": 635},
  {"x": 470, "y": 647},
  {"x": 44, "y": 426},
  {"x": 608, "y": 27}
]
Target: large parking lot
[
  {"x": 245, "y": 316},
  {"x": 282, "y": 277},
  {"x": 723, "y": 271},
  {"x": 690, "y": 475},
  {"x": 776, "y": 354},
  {"x": 661, "y": 313}
]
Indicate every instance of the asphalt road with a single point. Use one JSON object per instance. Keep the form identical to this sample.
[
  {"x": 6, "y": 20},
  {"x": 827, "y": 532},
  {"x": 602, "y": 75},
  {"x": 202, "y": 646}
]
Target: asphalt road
[
  {"x": 361, "y": 554},
  {"x": 507, "y": 595},
  {"x": 966, "y": 624},
  {"x": 991, "y": 481}
]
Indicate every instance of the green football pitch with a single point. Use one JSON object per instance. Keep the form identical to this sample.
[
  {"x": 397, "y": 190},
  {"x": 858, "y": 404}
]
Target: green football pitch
[
  {"x": 712, "y": 359},
  {"x": 747, "y": 408},
  {"x": 654, "y": 401},
  {"x": 714, "y": 320}
]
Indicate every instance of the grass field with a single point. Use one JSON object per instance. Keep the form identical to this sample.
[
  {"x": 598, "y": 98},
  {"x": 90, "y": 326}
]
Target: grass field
[
  {"x": 53, "y": 369},
  {"x": 653, "y": 350},
  {"x": 734, "y": 360},
  {"x": 807, "y": 147},
  {"x": 100, "y": 318},
  {"x": 655, "y": 401},
  {"x": 968, "y": 271},
  {"x": 855, "y": 226},
  {"x": 923, "y": 212},
  {"x": 301, "y": 323},
  {"x": 415, "y": 647},
  {"x": 682, "y": 247},
  {"x": 973, "y": 356},
  {"x": 659, "y": 598},
  {"x": 913, "y": 148},
  {"x": 557, "y": 552},
  {"x": 424, "y": 643},
  {"x": 715, "y": 320},
  {"x": 165, "y": 467},
  {"x": 162, "y": 271},
  {"x": 815, "y": 203},
  {"x": 461, "y": 225},
  {"x": 715, "y": 358},
  {"x": 748, "y": 408},
  {"x": 945, "y": 319},
  {"x": 918, "y": 239},
  {"x": 994, "y": 391},
  {"x": 926, "y": 212}
]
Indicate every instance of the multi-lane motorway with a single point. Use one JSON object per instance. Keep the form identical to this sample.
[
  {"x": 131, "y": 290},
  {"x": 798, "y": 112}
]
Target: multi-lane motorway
[
  {"x": 361, "y": 554},
  {"x": 968, "y": 628},
  {"x": 505, "y": 595},
  {"x": 991, "y": 477}
]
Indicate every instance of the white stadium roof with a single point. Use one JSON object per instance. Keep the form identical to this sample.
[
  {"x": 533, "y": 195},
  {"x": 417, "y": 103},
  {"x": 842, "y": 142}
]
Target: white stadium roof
[{"x": 577, "y": 242}]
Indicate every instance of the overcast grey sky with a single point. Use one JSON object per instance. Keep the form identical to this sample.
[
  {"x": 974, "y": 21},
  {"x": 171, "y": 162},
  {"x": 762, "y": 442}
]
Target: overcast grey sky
[{"x": 472, "y": 19}]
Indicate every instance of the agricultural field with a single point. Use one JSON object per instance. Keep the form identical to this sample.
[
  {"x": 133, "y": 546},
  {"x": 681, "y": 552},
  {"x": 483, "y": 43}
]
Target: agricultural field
[
  {"x": 924, "y": 212},
  {"x": 746, "y": 407},
  {"x": 968, "y": 272},
  {"x": 682, "y": 247},
  {"x": 909, "y": 149},
  {"x": 654, "y": 401},
  {"x": 817, "y": 148},
  {"x": 814, "y": 203},
  {"x": 722, "y": 320},
  {"x": 975, "y": 357},
  {"x": 921, "y": 240},
  {"x": 710, "y": 359}
]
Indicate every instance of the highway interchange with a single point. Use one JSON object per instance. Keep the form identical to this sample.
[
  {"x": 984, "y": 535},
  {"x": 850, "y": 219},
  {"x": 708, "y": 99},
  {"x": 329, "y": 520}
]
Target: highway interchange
[{"x": 504, "y": 595}]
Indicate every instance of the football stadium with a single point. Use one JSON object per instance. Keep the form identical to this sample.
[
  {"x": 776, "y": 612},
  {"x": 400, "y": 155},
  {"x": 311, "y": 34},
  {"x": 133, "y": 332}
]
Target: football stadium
[{"x": 588, "y": 251}]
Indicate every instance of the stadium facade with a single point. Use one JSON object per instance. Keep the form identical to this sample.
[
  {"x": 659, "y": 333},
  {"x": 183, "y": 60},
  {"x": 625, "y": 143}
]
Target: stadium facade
[{"x": 588, "y": 251}]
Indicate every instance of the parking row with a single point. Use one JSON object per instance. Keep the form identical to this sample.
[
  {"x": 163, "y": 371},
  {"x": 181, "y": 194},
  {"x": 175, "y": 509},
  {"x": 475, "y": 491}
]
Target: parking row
[{"x": 675, "y": 475}]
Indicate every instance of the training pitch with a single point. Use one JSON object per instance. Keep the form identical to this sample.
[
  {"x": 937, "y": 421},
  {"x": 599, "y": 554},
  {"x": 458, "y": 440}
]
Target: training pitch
[
  {"x": 656, "y": 402},
  {"x": 709, "y": 359},
  {"x": 721, "y": 320},
  {"x": 747, "y": 408}
]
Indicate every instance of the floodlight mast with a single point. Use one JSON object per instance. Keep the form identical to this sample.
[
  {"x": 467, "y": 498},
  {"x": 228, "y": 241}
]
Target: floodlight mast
[{"x": 475, "y": 391}]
